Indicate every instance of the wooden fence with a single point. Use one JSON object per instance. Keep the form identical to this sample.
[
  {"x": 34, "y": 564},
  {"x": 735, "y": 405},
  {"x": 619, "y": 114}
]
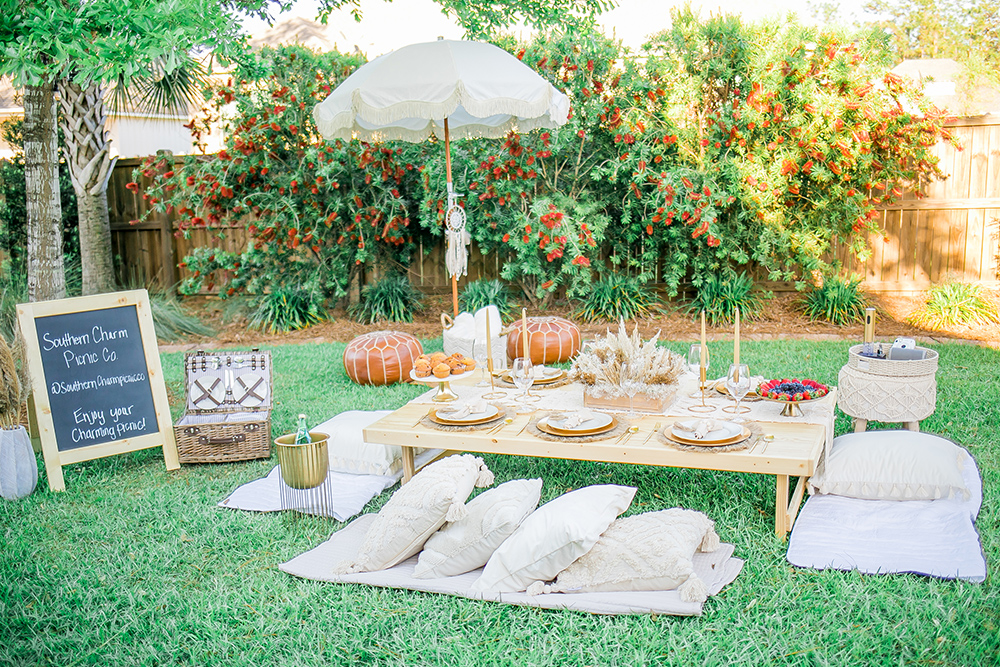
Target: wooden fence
[{"x": 952, "y": 232}]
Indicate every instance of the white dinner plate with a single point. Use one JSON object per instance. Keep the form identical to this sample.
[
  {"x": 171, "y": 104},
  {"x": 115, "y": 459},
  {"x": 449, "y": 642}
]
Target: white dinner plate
[
  {"x": 724, "y": 431},
  {"x": 600, "y": 420},
  {"x": 491, "y": 411}
]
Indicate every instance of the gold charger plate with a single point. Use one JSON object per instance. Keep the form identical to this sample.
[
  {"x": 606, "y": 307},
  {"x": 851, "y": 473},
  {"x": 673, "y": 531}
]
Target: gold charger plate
[
  {"x": 670, "y": 435},
  {"x": 433, "y": 416},
  {"x": 544, "y": 427},
  {"x": 506, "y": 377}
]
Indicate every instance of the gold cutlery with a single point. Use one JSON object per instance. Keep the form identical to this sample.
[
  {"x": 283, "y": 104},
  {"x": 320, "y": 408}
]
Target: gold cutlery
[
  {"x": 500, "y": 426},
  {"x": 656, "y": 428},
  {"x": 627, "y": 434}
]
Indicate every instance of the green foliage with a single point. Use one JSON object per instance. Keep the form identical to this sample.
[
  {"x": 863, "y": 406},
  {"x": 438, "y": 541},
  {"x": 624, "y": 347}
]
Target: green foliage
[
  {"x": 838, "y": 301},
  {"x": 287, "y": 308},
  {"x": 13, "y": 200},
  {"x": 955, "y": 303},
  {"x": 391, "y": 299},
  {"x": 13, "y": 290},
  {"x": 481, "y": 293},
  {"x": 720, "y": 296},
  {"x": 618, "y": 297}
]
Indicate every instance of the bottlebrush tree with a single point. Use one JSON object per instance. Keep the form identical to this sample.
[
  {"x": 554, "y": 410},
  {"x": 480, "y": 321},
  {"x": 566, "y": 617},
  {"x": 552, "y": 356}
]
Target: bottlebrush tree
[
  {"x": 772, "y": 141},
  {"x": 314, "y": 211}
]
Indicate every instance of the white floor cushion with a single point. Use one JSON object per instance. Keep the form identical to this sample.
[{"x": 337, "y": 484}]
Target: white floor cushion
[
  {"x": 466, "y": 544},
  {"x": 347, "y": 447},
  {"x": 937, "y": 538},
  {"x": 652, "y": 551},
  {"x": 435, "y": 495},
  {"x": 553, "y": 536}
]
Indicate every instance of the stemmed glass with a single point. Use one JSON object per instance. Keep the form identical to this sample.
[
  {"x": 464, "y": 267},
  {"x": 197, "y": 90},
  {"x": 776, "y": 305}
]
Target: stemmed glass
[
  {"x": 523, "y": 376},
  {"x": 738, "y": 384},
  {"x": 480, "y": 354},
  {"x": 694, "y": 365}
]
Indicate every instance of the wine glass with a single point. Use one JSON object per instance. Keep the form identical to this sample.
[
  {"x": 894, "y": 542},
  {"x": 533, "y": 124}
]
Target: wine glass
[
  {"x": 694, "y": 365},
  {"x": 480, "y": 354},
  {"x": 738, "y": 384},
  {"x": 523, "y": 376}
]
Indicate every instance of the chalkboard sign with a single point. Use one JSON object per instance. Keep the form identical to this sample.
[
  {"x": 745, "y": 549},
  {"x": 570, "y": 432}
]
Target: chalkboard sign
[{"x": 96, "y": 379}]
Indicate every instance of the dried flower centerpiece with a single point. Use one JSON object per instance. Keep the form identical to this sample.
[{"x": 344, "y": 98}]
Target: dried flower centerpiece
[{"x": 618, "y": 365}]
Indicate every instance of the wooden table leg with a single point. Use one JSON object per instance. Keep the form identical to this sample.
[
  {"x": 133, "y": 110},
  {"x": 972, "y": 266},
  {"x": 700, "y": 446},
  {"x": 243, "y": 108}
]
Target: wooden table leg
[
  {"x": 912, "y": 426},
  {"x": 860, "y": 425},
  {"x": 781, "y": 506},
  {"x": 409, "y": 467}
]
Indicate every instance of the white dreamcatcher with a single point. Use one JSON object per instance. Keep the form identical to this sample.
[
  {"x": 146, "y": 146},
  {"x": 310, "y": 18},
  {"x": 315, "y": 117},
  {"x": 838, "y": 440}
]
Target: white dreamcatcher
[{"x": 457, "y": 238}]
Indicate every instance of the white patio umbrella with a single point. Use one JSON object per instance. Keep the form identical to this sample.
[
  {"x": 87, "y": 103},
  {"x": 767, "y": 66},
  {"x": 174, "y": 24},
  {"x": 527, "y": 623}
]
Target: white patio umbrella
[{"x": 448, "y": 89}]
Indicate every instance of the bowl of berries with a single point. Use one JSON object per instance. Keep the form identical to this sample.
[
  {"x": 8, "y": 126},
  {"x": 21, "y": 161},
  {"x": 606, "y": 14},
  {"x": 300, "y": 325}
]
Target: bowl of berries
[{"x": 792, "y": 393}]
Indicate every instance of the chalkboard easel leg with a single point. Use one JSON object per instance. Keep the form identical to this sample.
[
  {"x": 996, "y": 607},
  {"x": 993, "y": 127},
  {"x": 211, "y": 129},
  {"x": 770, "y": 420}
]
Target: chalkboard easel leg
[{"x": 36, "y": 440}]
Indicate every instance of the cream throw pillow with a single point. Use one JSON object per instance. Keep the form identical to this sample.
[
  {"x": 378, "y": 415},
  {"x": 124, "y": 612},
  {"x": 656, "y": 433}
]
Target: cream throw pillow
[
  {"x": 421, "y": 506},
  {"x": 467, "y": 544},
  {"x": 552, "y": 537},
  {"x": 645, "y": 552},
  {"x": 892, "y": 465}
]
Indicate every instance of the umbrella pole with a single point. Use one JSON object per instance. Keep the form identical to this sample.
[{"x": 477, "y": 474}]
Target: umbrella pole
[{"x": 447, "y": 170}]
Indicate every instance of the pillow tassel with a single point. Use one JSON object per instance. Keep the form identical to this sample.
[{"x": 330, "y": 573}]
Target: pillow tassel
[
  {"x": 538, "y": 588},
  {"x": 456, "y": 512},
  {"x": 710, "y": 542},
  {"x": 348, "y": 567},
  {"x": 485, "y": 478},
  {"x": 693, "y": 590}
]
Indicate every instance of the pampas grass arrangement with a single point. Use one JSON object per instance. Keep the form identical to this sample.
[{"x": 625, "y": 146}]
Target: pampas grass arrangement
[
  {"x": 10, "y": 388},
  {"x": 605, "y": 362}
]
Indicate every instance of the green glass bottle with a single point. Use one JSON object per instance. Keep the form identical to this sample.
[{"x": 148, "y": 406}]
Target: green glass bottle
[{"x": 302, "y": 433}]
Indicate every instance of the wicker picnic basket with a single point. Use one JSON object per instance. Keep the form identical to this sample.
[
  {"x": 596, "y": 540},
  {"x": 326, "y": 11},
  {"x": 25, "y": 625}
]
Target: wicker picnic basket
[{"x": 228, "y": 410}]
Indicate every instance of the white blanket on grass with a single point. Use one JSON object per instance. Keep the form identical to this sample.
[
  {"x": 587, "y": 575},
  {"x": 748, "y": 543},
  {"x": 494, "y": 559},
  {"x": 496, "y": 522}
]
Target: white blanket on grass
[
  {"x": 349, "y": 493},
  {"x": 716, "y": 569},
  {"x": 936, "y": 538}
]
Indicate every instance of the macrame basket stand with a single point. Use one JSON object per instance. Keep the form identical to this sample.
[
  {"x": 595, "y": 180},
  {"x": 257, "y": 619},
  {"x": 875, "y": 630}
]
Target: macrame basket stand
[{"x": 887, "y": 390}]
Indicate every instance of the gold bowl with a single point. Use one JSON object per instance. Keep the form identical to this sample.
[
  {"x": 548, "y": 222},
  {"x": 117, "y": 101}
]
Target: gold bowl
[{"x": 303, "y": 466}]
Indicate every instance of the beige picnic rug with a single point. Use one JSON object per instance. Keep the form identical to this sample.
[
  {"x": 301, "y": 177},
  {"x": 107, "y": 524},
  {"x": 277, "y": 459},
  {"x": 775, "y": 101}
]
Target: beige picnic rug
[{"x": 716, "y": 569}]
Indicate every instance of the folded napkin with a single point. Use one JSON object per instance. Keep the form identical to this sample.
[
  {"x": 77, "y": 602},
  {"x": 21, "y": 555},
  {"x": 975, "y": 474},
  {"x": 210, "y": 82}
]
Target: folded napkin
[
  {"x": 697, "y": 428},
  {"x": 462, "y": 411},
  {"x": 574, "y": 418}
]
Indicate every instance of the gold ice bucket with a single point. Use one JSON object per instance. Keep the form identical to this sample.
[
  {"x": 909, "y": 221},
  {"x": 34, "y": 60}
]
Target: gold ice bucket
[{"x": 303, "y": 466}]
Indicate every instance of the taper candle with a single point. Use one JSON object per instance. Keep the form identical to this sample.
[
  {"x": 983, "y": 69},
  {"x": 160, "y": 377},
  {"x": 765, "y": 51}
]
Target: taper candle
[
  {"x": 704, "y": 349},
  {"x": 489, "y": 344},
  {"x": 524, "y": 333},
  {"x": 736, "y": 344}
]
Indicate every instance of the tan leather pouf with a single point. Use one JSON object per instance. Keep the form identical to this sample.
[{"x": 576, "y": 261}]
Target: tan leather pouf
[
  {"x": 381, "y": 357},
  {"x": 550, "y": 339}
]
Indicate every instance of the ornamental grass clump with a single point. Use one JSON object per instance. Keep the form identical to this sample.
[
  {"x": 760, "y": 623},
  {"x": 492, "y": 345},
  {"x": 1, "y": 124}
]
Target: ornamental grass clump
[
  {"x": 392, "y": 299},
  {"x": 481, "y": 293},
  {"x": 608, "y": 360},
  {"x": 955, "y": 304},
  {"x": 287, "y": 309},
  {"x": 719, "y": 297},
  {"x": 838, "y": 301},
  {"x": 10, "y": 388},
  {"x": 618, "y": 297}
]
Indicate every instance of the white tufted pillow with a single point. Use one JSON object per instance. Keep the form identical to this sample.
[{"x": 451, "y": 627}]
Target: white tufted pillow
[
  {"x": 421, "y": 506},
  {"x": 892, "y": 465},
  {"x": 645, "y": 552},
  {"x": 467, "y": 544},
  {"x": 552, "y": 537}
]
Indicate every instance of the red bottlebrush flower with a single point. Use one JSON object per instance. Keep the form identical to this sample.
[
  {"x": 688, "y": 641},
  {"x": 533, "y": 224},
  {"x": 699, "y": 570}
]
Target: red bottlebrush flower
[
  {"x": 713, "y": 242},
  {"x": 704, "y": 142},
  {"x": 687, "y": 183},
  {"x": 649, "y": 229},
  {"x": 134, "y": 187},
  {"x": 547, "y": 284},
  {"x": 590, "y": 65},
  {"x": 506, "y": 238},
  {"x": 520, "y": 54},
  {"x": 788, "y": 167},
  {"x": 189, "y": 180},
  {"x": 526, "y": 239}
]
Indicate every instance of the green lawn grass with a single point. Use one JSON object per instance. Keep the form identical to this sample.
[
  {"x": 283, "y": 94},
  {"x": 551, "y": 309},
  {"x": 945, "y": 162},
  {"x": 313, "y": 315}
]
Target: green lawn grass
[{"x": 133, "y": 565}]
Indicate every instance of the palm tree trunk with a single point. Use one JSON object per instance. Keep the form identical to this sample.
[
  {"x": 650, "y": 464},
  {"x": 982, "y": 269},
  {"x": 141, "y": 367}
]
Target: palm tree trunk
[
  {"x": 46, "y": 279},
  {"x": 87, "y": 154}
]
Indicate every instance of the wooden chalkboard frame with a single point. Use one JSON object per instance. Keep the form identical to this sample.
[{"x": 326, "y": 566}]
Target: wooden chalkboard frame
[{"x": 56, "y": 458}]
